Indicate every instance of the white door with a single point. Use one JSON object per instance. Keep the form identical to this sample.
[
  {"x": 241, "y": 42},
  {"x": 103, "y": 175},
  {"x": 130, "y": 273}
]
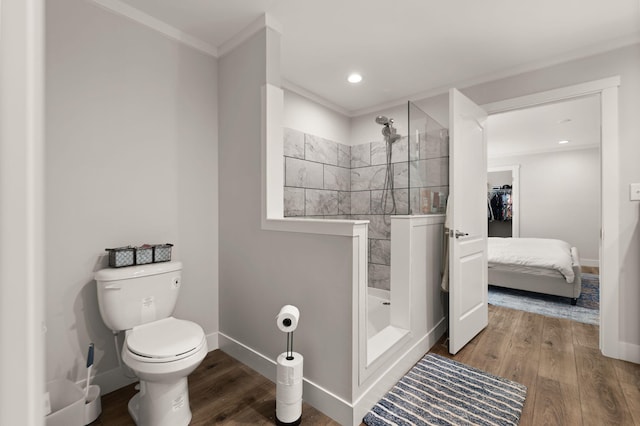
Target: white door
[{"x": 468, "y": 310}]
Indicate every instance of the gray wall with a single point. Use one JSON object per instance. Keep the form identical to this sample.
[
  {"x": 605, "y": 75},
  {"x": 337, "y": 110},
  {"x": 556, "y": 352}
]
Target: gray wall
[
  {"x": 623, "y": 62},
  {"x": 260, "y": 271},
  {"x": 307, "y": 116},
  {"x": 560, "y": 197},
  {"x": 131, "y": 158}
]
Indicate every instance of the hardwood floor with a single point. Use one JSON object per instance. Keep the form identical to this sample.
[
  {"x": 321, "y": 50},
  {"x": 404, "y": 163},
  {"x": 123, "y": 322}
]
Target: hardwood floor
[
  {"x": 590, "y": 270},
  {"x": 221, "y": 391},
  {"x": 569, "y": 382}
]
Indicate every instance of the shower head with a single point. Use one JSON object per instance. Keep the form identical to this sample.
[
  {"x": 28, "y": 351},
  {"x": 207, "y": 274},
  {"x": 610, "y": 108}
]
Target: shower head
[
  {"x": 389, "y": 133},
  {"x": 381, "y": 119}
]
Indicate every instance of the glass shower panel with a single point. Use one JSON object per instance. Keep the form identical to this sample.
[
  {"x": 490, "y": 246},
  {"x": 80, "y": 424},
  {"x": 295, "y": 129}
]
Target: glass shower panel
[{"x": 428, "y": 163}]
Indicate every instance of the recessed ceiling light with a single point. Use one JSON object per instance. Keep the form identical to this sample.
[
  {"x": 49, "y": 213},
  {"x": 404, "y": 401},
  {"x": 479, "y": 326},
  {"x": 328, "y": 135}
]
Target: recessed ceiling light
[
  {"x": 563, "y": 142},
  {"x": 354, "y": 78}
]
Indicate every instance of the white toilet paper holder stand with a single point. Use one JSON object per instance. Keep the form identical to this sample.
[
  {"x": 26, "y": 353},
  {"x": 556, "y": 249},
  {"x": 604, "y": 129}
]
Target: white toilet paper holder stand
[
  {"x": 289, "y": 344},
  {"x": 289, "y": 375}
]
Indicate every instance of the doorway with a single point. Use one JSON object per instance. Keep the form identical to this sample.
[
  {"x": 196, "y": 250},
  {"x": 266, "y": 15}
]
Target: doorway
[
  {"x": 501, "y": 181},
  {"x": 607, "y": 90}
]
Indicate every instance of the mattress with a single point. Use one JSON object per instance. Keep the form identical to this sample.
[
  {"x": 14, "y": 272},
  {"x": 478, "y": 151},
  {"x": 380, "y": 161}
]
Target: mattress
[
  {"x": 545, "y": 272},
  {"x": 545, "y": 256}
]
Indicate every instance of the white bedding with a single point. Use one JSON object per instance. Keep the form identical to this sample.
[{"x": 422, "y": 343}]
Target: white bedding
[{"x": 533, "y": 252}]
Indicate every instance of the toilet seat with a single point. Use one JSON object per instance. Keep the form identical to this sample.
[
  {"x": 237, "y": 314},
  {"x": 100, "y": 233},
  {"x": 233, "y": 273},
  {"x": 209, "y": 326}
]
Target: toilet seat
[{"x": 165, "y": 340}]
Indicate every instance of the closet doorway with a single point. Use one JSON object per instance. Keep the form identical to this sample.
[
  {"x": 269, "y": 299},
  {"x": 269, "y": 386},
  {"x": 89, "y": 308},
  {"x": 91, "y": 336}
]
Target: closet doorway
[{"x": 503, "y": 209}]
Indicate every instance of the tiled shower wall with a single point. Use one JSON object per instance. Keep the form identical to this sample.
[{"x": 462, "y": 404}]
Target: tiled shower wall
[
  {"x": 316, "y": 176},
  {"x": 335, "y": 181}
]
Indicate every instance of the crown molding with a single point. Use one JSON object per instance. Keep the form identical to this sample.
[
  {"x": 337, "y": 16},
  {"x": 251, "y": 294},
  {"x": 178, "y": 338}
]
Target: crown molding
[
  {"x": 264, "y": 21},
  {"x": 292, "y": 87},
  {"x": 585, "y": 52},
  {"x": 123, "y": 9},
  {"x": 542, "y": 151}
]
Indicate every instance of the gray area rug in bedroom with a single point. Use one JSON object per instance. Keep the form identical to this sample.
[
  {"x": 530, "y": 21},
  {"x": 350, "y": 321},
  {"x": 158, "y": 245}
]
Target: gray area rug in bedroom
[{"x": 587, "y": 309}]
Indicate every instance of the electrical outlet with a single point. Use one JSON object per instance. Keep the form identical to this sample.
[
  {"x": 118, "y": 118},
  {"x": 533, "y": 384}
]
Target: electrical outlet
[{"x": 634, "y": 191}]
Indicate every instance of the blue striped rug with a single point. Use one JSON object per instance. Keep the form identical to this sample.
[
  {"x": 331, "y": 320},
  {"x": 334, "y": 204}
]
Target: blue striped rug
[{"x": 440, "y": 391}]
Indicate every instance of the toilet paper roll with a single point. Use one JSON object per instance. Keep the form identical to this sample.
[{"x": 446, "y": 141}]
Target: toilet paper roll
[
  {"x": 287, "y": 319},
  {"x": 288, "y": 413},
  {"x": 289, "y": 372},
  {"x": 289, "y": 388},
  {"x": 289, "y": 394}
]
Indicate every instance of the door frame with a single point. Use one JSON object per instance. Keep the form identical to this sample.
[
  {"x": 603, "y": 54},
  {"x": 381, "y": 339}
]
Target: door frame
[
  {"x": 609, "y": 257},
  {"x": 22, "y": 257},
  {"x": 515, "y": 194}
]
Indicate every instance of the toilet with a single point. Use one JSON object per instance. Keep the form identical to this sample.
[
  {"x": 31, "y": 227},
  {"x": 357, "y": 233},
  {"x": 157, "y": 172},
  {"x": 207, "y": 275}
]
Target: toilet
[{"x": 160, "y": 349}]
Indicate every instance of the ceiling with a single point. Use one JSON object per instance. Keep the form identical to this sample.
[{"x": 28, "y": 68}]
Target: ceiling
[
  {"x": 539, "y": 129},
  {"x": 407, "y": 48}
]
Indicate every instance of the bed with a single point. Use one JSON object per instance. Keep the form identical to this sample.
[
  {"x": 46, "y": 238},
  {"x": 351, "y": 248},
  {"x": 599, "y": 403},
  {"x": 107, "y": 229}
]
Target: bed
[{"x": 540, "y": 265}]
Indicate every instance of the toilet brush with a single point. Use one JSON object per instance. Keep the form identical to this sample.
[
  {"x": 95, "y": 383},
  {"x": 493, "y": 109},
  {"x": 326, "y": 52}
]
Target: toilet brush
[{"x": 89, "y": 365}]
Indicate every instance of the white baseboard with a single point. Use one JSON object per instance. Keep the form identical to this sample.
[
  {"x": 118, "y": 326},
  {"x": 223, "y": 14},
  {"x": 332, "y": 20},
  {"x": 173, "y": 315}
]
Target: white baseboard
[
  {"x": 110, "y": 380},
  {"x": 322, "y": 399},
  {"x": 262, "y": 364},
  {"x": 629, "y": 352},
  {"x": 590, "y": 262},
  {"x": 212, "y": 341}
]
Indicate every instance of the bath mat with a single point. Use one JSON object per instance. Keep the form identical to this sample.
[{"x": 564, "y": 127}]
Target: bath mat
[
  {"x": 440, "y": 391},
  {"x": 586, "y": 310}
]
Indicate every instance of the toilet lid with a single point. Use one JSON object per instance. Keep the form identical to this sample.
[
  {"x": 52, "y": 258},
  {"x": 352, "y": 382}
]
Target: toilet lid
[{"x": 165, "y": 338}]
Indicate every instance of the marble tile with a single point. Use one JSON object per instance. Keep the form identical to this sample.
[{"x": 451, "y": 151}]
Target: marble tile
[
  {"x": 435, "y": 144},
  {"x": 380, "y": 276},
  {"x": 303, "y": 174},
  {"x": 378, "y": 153},
  {"x": 293, "y": 202},
  {"x": 344, "y": 155},
  {"x": 320, "y": 202},
  {"x": 380, "y": 251},
  {"x": 401, "y": 198},
  {"x": 337, "y": 178},
  {"x": 361, "y": 155},
  {"x": 364, "y": 178},
  {"x": 344, "y": 203},
  {"x": 320, "y": 150},
  {"x": 401, "y": 175},
  {"x": 361, "y": 202},
  {"x": 414, "y": 201},
  {"x": 431, "y": 172},
  {"x": 293, "y": 143},
  {"x": 400, "y": 150},
  {"x": 379, "y": 225}
]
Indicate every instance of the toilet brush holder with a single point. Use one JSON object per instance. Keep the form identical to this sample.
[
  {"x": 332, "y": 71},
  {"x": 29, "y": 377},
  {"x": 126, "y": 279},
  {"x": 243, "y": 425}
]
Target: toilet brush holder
[{"x": 92, "y": 405}]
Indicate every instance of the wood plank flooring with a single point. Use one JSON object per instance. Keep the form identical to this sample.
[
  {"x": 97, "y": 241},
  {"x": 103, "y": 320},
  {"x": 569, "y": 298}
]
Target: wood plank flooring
[
  {"x": 221, "y": 391},
  {"x": 569, "y": 382}
]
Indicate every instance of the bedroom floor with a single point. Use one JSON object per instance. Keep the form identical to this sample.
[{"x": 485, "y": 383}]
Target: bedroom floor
[{"x": 569, "y": 381}]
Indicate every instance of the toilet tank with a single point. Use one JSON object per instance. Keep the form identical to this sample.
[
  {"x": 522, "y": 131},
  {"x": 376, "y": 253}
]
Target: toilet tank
[{"x": 136, "y": 295}]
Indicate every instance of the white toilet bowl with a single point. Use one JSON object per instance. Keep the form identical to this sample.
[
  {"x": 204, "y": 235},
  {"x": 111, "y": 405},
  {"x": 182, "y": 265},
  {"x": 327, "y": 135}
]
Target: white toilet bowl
[
  {"x": 161, "y": 350},
  {"x": 162, "y": 354}
]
